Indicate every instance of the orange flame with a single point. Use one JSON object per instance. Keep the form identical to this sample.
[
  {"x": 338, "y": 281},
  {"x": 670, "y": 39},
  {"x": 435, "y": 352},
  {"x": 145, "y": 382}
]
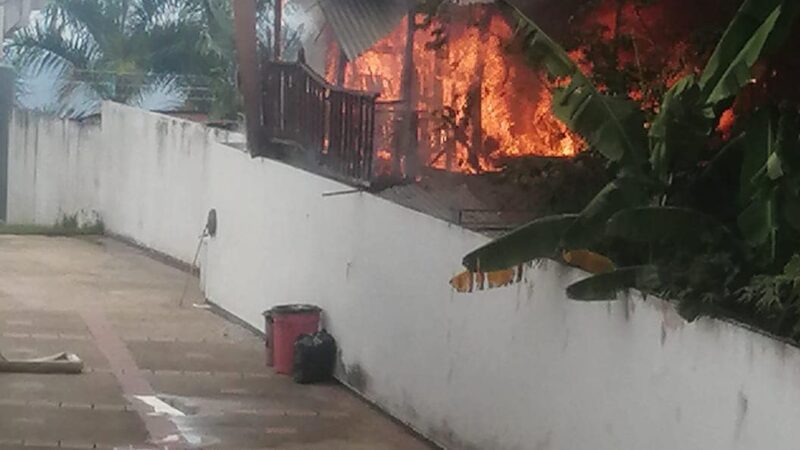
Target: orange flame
[
  {"x": 726, "y": 123},
  {"x": 384, "y": 155},
  {"x": 471, "y": 79}
]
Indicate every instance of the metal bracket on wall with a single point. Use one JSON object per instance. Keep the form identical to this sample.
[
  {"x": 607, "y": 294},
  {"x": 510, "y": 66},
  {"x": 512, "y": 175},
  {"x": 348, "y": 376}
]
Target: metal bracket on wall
[{"x": 346, "y": 192}]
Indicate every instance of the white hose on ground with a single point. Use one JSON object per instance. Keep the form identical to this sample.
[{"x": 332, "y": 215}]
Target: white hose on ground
[{"x": 194, "y": 264}]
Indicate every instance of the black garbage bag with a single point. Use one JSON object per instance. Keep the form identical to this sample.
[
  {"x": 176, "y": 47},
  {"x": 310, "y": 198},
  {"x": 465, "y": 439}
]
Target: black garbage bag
[{"x": 314, "y": 358}]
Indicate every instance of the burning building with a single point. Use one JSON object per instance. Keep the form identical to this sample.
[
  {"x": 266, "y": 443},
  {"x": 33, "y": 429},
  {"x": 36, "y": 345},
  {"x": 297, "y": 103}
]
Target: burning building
[
  {"x": 405, "y": 93},
  {"x": 477, "y": 101},
  {"x": 475, "y": 104}
]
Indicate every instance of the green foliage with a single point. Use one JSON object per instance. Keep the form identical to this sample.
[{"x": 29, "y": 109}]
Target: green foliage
[
  {"x": 758, "y": 25},
  {"x": 679, "y": 131},
  {"x": 757, "y": 220},
  {"x": 517, "y": 247},
  {"x": 115, "y": 49},
  {"x": 612, "y": 125},
  {"x": 648, "y": 219},
  {"x": 769, "y": 180},
  {"x": 634, "y": 52},
  {"x": 776, "y": 298},
  {"x": 671, "y": 225},
  {"x": 724, "y": 80},
  {"x": 606, "y": 286},
  {"x": 68, "y": 222},
  {"x": 121, "y": 50},
  {"x": 83, "y": 38},
  {"x": 217, "y": 43},
  {"x": 67, "y": 225},
  {"x": 623, "y": 192}
]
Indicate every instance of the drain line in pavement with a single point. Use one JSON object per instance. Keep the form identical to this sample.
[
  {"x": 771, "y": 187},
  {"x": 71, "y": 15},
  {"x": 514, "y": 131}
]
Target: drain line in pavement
[{"x": 128, "y": 375}]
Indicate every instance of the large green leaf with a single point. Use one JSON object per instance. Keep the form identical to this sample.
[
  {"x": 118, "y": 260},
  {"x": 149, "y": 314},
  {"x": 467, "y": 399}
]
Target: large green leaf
[
  {"x": 748, "y": 18},
  {"x": 538, "y": 239},
  {"x": 614, "y": 126},
  {"x": 759, "y": 145},
  {"x": 770, "y": 180},
  {"x": 218, "y": 38},
  {"x": 680, "y": 130},
  {"x": 622, "y": 193},
  {"x": 116, "y": 49},
  {"x": 606, "y": 286},
  {"x": 783, "y": 167},
  {"x": 730, "y": 67},
  {"x": 758, "y": 224},
  {"x": 664, "y": 224},
  {"x": 545, "y": 237},
  {"x": 788, "y": 142},
  {"x": 758, "y": 219},
  {"x": 790, "y": 14}
]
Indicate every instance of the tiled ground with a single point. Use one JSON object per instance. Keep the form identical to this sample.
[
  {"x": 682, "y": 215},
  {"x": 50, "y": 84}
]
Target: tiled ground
[{"x": 118, "y": 309}]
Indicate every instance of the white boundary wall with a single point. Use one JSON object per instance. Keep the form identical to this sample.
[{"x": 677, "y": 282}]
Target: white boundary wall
[
  {"x": 515, "y": 368},
  {"x": 52, "y": 169}
]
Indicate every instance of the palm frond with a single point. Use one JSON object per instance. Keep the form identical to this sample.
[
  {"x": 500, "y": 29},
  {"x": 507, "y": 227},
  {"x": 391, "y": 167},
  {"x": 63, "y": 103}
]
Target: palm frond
[
  {"x": 92, "y": 19},
  {"x": 146, "y": 14},
  {"x": 45, "y": 47},
  {"x": 174, "y": 48},
  {"x": 127, "y": 50}
]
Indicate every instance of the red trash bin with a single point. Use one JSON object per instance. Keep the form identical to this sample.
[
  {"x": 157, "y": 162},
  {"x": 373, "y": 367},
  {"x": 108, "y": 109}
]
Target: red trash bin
[{"x": 288, "y": 323}]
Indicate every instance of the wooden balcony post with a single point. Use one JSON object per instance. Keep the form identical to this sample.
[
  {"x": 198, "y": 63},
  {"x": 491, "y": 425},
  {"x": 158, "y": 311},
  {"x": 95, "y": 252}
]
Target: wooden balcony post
[
  {"x": 277, "y": 28},
  {"x": 244, "y": 15},
  {"x": 408, "y": 123}
]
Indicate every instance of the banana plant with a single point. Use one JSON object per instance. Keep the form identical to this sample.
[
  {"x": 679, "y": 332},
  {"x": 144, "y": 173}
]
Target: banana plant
[
  {"x": 770, "y": 178},
  {"x": 633, "y": 209},
  {"x": 612, "y": 125}
]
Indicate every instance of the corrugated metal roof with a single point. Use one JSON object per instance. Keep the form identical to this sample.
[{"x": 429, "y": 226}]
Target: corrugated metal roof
[{"x": 359, "y": 24}]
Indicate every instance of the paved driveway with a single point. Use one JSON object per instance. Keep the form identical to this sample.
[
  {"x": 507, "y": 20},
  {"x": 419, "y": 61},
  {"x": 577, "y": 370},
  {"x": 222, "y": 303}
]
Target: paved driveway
[{"x": 158, "y": 375}]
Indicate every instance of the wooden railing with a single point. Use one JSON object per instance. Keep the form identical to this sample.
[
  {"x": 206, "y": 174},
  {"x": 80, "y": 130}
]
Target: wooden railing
[{"x": 338, "y": 124}]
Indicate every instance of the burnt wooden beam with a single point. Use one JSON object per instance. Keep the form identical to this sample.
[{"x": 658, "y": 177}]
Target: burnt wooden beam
[
  {"x": 408, "y": 123},
  {"x": 475, "y": 94},
  {"x": 341, "y": 66},
  {"x": 444, "y": 145}
]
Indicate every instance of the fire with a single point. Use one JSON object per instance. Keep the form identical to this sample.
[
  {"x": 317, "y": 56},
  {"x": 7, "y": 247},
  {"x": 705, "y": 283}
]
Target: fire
[
  {"x": 478, "y": 104},
  {"x": 515, "y": 109},
  {"x": 641, "y": 49},
  {"x": 384, "y": 155},
  {"x": 383, "y": 163},
  {"x": 726, "y": 123}
]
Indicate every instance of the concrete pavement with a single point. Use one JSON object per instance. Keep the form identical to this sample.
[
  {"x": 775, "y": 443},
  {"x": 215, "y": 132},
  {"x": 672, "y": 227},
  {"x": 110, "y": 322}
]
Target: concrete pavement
[{"x": 118, "y": 309}]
